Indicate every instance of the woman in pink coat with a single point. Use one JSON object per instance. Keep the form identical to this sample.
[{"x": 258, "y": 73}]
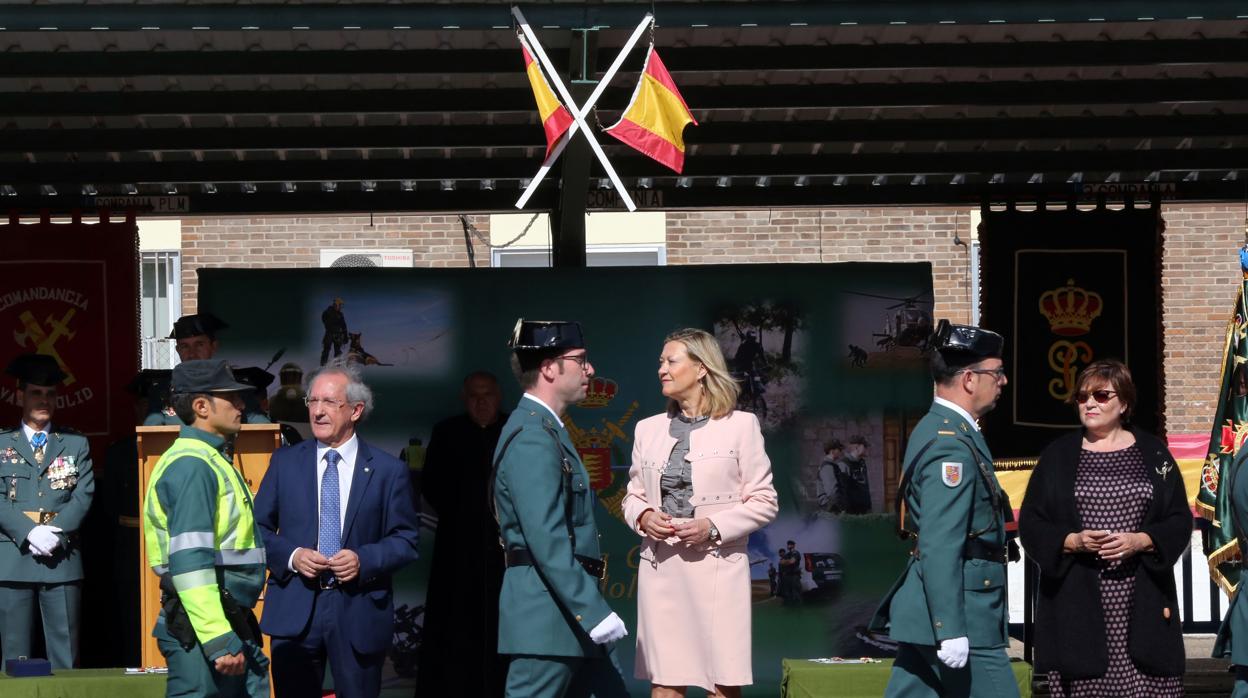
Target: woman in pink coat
[{"x": 699, "y": 484}]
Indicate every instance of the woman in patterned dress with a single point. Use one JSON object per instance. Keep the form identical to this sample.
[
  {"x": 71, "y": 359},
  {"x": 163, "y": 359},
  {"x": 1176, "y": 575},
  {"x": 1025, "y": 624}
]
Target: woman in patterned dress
[
  {"x": 1106, "y": 518},
  {"x": 699, "y": 485}
]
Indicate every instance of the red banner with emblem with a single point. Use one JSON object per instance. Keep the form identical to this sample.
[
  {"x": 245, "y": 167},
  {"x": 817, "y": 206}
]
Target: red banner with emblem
[{"x": 70, "y": 291}]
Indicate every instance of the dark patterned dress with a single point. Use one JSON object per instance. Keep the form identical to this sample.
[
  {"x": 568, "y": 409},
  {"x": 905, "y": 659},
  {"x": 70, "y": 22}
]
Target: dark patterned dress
[{"x": 1113, "y": 492}]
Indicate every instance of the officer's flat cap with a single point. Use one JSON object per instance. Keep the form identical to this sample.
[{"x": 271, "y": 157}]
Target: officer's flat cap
[
  {"x": 205, "y": 376},
  {"x": 254, "y": 376},
  {"x": 39, "y": 369},
  {"x": 966, "y": 344},
  {"x": 195, "y": 325},
  {"x": 533, "y": 335}
]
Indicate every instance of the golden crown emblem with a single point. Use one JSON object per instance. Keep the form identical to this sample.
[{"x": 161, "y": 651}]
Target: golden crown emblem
[
  {"x": 1070, "y": 309},
  {"x": 600, "y": 393}
]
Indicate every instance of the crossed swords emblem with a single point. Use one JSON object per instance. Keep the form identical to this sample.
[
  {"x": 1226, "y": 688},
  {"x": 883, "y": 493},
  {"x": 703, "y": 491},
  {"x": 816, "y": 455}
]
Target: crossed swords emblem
[{"x": 44, "y": 342}]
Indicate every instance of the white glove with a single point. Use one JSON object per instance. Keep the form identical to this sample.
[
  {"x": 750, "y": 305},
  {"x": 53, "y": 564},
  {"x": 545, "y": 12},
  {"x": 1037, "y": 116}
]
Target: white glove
[
  {"x": 953, "y": 652},
  {"x": 43, "y": 539},
  {"x": 609, "y": 630}
]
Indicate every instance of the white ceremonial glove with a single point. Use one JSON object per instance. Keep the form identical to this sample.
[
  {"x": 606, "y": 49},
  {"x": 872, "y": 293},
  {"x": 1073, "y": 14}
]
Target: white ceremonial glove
[
  {"x": 609, "y": 630},
  {"x": 953, "y": 652},
  {"x": 43, "y": 539}
]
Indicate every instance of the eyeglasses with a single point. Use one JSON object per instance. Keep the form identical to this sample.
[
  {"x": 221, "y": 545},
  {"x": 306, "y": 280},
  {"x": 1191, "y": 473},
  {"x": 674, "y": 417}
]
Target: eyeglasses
[
  {"x": 997, "y": 373},
  {"x": 328, "y": 403},
  {"x": 582, "y": 360},
  {"x": 1101, "y": 396}
]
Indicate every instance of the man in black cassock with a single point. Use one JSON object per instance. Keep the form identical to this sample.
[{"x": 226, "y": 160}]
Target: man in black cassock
[{"x": 459, "y": 641}]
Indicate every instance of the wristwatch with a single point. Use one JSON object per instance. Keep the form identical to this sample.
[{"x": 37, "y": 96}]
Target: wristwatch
[{"x": 714, "y": 531}]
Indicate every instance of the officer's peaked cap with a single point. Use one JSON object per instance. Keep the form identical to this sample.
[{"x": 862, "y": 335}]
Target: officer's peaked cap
[{"x": 205, "y": 376}]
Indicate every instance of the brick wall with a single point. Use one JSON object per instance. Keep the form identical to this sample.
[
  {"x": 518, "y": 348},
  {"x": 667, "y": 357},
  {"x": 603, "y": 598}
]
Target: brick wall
[
  {"x": 270, "y": 242},
  {"x": 833, "y": 235},
  {"x": 1199, "y": 262},
  {"x": 1200, "y": 274}
]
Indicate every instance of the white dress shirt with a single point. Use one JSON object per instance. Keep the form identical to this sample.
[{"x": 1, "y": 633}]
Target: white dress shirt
[
  {"x": 538, "y": 400},
  {"x": 346, "y": 468},
  {"x": 956, "y": 408}
]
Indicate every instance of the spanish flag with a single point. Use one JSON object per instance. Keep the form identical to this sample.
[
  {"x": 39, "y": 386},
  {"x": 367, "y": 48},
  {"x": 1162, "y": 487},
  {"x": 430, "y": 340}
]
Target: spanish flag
[
  {"x": 656, "y": 117},
  {"x": 555, "y": 117}
]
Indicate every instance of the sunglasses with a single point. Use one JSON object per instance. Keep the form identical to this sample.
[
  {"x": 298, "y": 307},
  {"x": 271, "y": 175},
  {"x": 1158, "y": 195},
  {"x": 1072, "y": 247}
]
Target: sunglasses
[{"x": 1101, "y": 396}]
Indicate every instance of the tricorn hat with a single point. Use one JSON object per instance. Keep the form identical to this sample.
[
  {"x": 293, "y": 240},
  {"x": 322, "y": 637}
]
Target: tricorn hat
[
  {"x": 195, "y": 325},
  {"x": 963, "y": 345},
  {"x": 557, "y": 335},
  {"x": 39, "y": 369}
]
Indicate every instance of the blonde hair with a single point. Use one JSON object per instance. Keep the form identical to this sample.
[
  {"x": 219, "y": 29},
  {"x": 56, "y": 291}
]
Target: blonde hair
[{"x": 720, "y": 389}]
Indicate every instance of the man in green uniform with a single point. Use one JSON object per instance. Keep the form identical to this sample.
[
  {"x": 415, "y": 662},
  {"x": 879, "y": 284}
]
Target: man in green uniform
[
  {"x": 948, "y": 612},
  {"x": 48, "y": 483},
  {"x": 195, "y": 337},
  {"x": 553, "y": 619},
  {"x": 1236, "y": 620},
  {"x": 203, "y": 543}
]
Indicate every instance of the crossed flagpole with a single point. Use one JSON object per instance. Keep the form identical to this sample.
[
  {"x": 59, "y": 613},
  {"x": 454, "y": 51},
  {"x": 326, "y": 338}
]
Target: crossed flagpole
[{"x": 578, "y": 113}]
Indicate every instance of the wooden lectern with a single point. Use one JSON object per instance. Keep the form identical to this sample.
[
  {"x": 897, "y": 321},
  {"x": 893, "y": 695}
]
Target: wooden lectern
[{"x": 252, "y": 449}]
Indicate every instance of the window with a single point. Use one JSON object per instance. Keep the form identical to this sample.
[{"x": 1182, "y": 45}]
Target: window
[{"x": 161, "y": 302}]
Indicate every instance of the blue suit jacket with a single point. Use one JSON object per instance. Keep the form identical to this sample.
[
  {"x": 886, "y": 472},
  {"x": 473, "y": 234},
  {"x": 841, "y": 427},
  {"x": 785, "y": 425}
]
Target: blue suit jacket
[{"x": 380, "y": 527}]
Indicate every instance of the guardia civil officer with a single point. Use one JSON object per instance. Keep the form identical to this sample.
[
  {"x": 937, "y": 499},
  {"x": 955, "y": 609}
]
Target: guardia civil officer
[
  {"x": 195, "y": 337},
  {"x": 203, "y": 542},
  {"x": 48, "y": 483},
  {"x": 948, "y": 611},
  {"x": 1235, "y": 624},
  {"x": 553, "y": 620}
]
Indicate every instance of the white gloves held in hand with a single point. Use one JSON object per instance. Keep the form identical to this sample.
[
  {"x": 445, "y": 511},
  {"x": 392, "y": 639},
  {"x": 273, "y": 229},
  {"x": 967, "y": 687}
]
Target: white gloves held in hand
[
  {"x": 954, "y": 651},
  {"x": 609, "y": 630},
  {"x": 43, "y": 539}
]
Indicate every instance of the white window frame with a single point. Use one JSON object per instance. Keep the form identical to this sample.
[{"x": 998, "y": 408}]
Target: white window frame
[{"x": 499, "y": 255}]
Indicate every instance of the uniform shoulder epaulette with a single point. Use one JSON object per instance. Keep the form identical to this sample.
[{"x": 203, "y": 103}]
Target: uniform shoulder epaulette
[{"x": 945, "y": 432}]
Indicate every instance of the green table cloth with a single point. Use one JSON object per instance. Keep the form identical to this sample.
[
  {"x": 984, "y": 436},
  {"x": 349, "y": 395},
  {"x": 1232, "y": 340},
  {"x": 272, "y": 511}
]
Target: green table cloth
[
  {"x": 806, "y": 679},
  {"x": 84, "y": 683}
]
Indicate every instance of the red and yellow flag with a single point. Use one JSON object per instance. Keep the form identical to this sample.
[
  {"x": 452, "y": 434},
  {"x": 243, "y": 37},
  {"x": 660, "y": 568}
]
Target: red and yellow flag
[
  {"x": 656, "y": 117},
  {"x": 556, "y": 118}
]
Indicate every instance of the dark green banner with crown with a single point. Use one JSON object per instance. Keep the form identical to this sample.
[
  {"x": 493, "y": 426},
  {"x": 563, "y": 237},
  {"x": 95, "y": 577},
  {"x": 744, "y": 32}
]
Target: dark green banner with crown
[
  {"x": 1230, "y": 427},
  {"x": 1066, "y": 287}
]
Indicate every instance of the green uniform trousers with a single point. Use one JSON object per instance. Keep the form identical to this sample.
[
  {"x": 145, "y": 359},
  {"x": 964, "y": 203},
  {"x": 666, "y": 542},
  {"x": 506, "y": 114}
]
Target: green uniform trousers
[
  {"x": 60, "y": 605},
  {"x": 1241, "y": 682},
  {"x": 191, "y": 674},
  {"x": 918, "y": 672},
  {"x": 531, "y": 676}
]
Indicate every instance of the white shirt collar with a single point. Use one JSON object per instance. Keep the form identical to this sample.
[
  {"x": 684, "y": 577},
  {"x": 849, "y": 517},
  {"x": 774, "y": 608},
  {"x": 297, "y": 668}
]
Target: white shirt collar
[
  {"x": 538, "y": 400},
  {"x": 347, "y": 450},
  {"x": 30, "y": 433},
  {"x": 957, "y": 408}
]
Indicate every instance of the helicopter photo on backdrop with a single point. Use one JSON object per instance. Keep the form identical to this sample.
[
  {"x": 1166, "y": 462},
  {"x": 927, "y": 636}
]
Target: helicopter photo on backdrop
[{"x": 883, "y": 331}]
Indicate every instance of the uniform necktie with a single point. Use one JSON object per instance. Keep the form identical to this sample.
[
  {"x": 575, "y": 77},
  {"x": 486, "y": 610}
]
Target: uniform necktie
[
  {"x": 37, "y": 442},
  {"x": 330, "y": 535}
]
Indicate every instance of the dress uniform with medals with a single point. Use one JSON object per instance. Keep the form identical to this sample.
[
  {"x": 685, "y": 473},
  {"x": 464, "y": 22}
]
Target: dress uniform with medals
[
  {"x": 1235, "y": 623},
  {"x": 948, "y": 612},
  {"x": 47, "y": 485},
  {"x": 553, "y": 619}
]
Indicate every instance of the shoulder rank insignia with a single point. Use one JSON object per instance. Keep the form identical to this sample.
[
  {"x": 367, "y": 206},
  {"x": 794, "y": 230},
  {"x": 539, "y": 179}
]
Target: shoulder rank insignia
[
  {"x": 963, "y": 427},
  {"x": 945, "y": 432},
  {"x": 951, "y": 474}
]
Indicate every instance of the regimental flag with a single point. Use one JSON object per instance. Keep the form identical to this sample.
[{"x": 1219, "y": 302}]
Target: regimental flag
[
  {"x": 1230, "y": 426},
  {"x": 656, "y": 117},
  {"x": 556, "y": 118}
]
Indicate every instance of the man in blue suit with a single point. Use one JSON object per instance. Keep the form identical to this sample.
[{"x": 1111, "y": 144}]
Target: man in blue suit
[{"x": 338, "y": 521}]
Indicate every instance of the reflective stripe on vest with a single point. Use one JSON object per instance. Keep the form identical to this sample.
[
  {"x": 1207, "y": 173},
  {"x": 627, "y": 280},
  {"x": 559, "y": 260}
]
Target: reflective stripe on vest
[{"x": 234, "y": 526}]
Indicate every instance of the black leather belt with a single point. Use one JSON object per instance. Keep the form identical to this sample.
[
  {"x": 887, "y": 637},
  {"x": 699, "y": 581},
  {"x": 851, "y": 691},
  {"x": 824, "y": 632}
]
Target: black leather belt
[
  {"x": 977, "y": 549},
  {"x": 519, "y": 557}
]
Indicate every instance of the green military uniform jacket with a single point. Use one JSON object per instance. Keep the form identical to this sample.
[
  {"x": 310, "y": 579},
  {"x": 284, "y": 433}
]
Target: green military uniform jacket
[
  {"x": 942, "y": 595},
  {"x": 58, "y": 493},
  {"x": 1235, "y": 623},
  {"x": 547, "y": 608}
]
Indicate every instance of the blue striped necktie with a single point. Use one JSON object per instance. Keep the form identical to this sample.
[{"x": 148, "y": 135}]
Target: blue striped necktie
[{"x": 329, "y": 537}]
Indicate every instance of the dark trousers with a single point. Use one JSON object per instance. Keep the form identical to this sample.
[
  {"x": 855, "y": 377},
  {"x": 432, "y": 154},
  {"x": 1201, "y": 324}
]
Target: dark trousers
[
  {"x": 534, "y": 676},
  {"x": 299, "y": 662},
  {"x": 60, "y": 606}
]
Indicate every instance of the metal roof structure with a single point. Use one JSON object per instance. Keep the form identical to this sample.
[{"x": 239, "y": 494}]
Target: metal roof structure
[{"x": 255, "y": 107}]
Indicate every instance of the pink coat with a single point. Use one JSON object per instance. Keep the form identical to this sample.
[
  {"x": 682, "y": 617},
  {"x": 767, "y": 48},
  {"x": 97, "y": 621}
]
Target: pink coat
[{"x": 694, "y": 604}]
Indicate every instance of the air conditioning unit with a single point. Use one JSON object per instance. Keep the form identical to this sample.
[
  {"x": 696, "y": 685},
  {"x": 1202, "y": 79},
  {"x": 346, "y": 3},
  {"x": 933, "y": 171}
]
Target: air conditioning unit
[{"x": 365, "y": 257}]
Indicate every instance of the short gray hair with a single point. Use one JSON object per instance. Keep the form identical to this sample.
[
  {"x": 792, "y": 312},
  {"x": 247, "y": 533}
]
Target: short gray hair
[{"x": 357, "y": 389}]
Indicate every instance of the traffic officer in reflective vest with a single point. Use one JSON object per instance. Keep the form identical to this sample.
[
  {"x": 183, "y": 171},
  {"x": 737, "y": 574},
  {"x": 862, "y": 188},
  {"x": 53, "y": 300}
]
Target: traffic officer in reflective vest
[
  {"x": 47, "y": 480},
  {"x": 948, "y": 611},
  {"x": 203, "y": 543}
]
